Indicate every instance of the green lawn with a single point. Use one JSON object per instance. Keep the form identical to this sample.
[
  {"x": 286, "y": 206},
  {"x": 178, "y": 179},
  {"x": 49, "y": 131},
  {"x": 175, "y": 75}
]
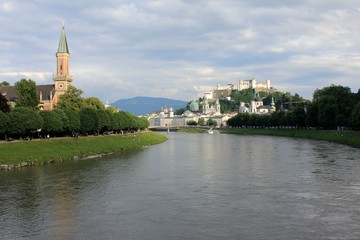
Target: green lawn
[
  {"x": 192, "y": 130},
  {"x": 59, "y": 149},
  {"x": 350, "y": 138}
]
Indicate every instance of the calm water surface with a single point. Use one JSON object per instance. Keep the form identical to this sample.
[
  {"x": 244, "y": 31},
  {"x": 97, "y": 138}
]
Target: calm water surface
[{"x": 194, "y": 186}]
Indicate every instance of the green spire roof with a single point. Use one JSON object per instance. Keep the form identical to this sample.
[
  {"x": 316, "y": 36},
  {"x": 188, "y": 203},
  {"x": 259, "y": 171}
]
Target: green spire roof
[{"x": 63, "y": 46}]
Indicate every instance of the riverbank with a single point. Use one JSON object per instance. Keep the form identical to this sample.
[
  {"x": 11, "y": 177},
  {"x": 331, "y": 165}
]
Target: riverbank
[
  {"x": 28, "y": 153},
  {"x": 192, "y": 130},
  {"x": 350, "y": 138}
]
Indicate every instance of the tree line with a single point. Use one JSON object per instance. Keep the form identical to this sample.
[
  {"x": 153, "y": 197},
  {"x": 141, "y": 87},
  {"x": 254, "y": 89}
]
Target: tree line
[
  {"x": 331, "y": 108},
  {"x": 75, "y": 115}
]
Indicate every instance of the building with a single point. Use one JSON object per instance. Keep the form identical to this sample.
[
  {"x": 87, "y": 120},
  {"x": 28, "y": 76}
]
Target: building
[
  {"x": 211, "y": 109},
  {"x": 257, "y": 106},
  {"x": 166, "y": 117},
  {"x": 223, "y": 92},
  {"x": 49, "y": 94},
  {"x": 253, "y": 84}
]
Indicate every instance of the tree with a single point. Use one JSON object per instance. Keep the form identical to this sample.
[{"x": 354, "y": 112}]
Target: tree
[
  {"x": 73, "y": 119},
  {"x": 63, "y": 117},
  {"x": 180, "y": 111},
  {"x": 104, "y": 120},
  {"x": 228, "y": 106},
  {"x": 71, "y": 99},
  {"x": 245, "y": 95},
  {"x": 201, "y": 121},
  {"x": 191, "y": 123},
  {"x": 312, "y": 115},
  {"x": 335, "y": 105},
  {"x": 212, "y": 122},
  {"x": 52, "y": 122},
  {"x": 4, "y": 106},
  {"x": 355, "y": 117},
  {"x": 145, "y": 123},
  {"x": 4, "y": 83},
  {"x": 24, "y": 121},
  {"x": 27, "y": 94},
  {"x": 93, "y": 102},
  {"x": 112, "y": 109},
  {"x": 299, "y": 117},
  {"x": 88, "y": 120},
  {"x": 328, "y": 110},
  {"x": 4, "y": 121}
]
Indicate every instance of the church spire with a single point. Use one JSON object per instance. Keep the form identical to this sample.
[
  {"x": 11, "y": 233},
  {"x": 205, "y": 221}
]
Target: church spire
[{"x": 63, "y": 46}]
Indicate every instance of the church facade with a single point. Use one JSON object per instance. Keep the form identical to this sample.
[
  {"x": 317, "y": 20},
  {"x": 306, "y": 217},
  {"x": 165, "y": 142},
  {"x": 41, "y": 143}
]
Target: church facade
[{"x": 49, "y": 94}]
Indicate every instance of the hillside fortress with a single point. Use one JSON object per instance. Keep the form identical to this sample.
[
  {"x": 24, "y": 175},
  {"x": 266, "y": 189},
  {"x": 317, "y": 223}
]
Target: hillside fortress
[
  {"x": 211, "y": 108},
  {"x": 253, "y": 84},
  {"x": 49, "y": 94},
  {"x": 225, "y": 91}
]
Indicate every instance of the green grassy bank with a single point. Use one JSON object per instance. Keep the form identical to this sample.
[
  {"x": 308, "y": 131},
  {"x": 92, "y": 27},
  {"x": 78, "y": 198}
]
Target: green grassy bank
[
  {"x": 192, "y": 130},
  {"x": 23, "y": 153},
  {"x": 350, "y": 138}
]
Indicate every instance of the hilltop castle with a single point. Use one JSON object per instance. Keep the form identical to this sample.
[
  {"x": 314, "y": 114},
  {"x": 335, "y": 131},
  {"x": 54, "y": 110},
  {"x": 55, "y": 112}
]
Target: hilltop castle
[{"x": 49, "y": 94}]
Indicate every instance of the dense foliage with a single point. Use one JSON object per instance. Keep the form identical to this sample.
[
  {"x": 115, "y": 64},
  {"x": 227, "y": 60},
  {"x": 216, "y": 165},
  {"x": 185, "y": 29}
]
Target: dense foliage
[
  {"x": 332, "y": 107},
  {"x": 4, "y": 106},
  {"x": 26, "y": 122},
  {"x": 27, "y": 94},
  {"x": 76, "y": 116},
  {"x": 283, "y": 100}
]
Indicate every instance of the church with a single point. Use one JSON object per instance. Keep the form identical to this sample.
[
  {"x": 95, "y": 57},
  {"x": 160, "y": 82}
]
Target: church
[{"x": 49, "y": 94}]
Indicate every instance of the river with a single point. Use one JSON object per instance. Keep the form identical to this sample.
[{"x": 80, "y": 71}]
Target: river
[{"x": 194, "y": 186}]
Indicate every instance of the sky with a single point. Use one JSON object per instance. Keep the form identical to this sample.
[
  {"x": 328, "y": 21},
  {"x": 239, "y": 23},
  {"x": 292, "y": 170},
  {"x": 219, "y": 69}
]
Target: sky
[{"x": 180, "y": 48}]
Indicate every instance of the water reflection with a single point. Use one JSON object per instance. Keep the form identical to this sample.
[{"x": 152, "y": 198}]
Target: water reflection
[{"x": 194, "y": 186}]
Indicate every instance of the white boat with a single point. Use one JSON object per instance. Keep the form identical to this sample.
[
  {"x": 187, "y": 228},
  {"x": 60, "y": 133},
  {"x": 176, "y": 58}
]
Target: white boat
[{"x": 210, "y": 131}]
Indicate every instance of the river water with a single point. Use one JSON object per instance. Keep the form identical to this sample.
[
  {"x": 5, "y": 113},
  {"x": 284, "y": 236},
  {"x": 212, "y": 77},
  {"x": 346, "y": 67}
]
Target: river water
[{"x": 194, "y": 186}]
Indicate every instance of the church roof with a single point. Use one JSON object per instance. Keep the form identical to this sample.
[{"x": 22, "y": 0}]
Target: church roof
[
  {"x": 8, "y": 92},
  {"x": 63, "y": 46},
  {"x": 46, "y": 91}
]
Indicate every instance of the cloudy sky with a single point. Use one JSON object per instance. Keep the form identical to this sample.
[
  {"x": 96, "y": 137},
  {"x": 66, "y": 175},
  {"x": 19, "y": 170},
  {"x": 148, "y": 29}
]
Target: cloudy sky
[{"x": 179, "y": 48}]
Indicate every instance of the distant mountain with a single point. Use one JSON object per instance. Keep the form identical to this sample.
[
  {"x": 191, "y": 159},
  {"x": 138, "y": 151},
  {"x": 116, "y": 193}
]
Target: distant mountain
[{"x": 144, "y": 105}]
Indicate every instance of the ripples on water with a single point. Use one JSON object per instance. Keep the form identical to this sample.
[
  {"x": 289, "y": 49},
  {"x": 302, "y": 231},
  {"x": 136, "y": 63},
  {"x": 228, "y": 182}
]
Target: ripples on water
[{"x": 194, "y": 186}]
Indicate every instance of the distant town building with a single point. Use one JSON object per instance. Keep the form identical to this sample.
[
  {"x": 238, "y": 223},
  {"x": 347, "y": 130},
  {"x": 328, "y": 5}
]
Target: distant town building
[
  {"x": 211, "y": 109},
  {"x": 253, "y": 84},
  {"x": 49, "y": 94},
  {"x": 224, "y": 92},
  {"x": 194, "y": 106},
  {"x": 257, "y": 106},
  {"x": 166, "y": 118}
]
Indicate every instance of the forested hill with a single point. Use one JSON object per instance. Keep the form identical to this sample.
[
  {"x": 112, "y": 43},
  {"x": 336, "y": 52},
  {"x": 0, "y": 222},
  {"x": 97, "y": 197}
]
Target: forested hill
[{"x": 144, "y": 105}]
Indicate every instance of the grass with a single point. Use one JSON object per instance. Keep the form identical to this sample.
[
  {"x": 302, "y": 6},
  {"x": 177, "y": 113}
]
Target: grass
[
  {"x": 192, "y": 130},
  {"x": 350, "y": 138},
  {"x": 63, "y": 149}
]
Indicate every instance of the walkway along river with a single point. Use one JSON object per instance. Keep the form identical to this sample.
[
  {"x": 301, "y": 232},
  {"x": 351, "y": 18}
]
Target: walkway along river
[{"x": 194, "y": 186}]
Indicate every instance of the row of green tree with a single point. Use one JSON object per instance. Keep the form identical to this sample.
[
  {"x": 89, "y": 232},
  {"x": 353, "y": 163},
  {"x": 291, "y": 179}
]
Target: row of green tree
[
  {"x": 283, "y": 100},
  {"x": 332, "y": 107},
  {"x": 74, "y": 115},
  {"x": 24, "y": 122},
  {"x": 201, "y": 122}
]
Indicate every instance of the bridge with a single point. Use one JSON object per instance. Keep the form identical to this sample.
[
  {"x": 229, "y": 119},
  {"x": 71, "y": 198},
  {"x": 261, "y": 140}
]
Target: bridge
[
  {"x": 165, "y": 128},
  {"x": 173, "y": 128}
]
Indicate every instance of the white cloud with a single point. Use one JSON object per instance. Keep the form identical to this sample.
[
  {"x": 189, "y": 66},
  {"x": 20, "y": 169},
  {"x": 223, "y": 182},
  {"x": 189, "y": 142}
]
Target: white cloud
[
  {"x": 39, "y": 77},
  {"x": 6, "y": 6},
  {"x": 176, "y": 48}
]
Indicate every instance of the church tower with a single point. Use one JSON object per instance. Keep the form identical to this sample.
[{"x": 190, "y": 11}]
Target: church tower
[{"x": 62, "y": 78}]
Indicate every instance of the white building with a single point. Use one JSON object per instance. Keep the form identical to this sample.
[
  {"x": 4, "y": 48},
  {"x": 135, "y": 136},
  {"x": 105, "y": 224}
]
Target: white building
[
  {"x": 166, "y": 117},
  {"x": 253, "y": 84},
  {"x": 257, "y": 106},
  {"x": 214, "y": 109}
]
